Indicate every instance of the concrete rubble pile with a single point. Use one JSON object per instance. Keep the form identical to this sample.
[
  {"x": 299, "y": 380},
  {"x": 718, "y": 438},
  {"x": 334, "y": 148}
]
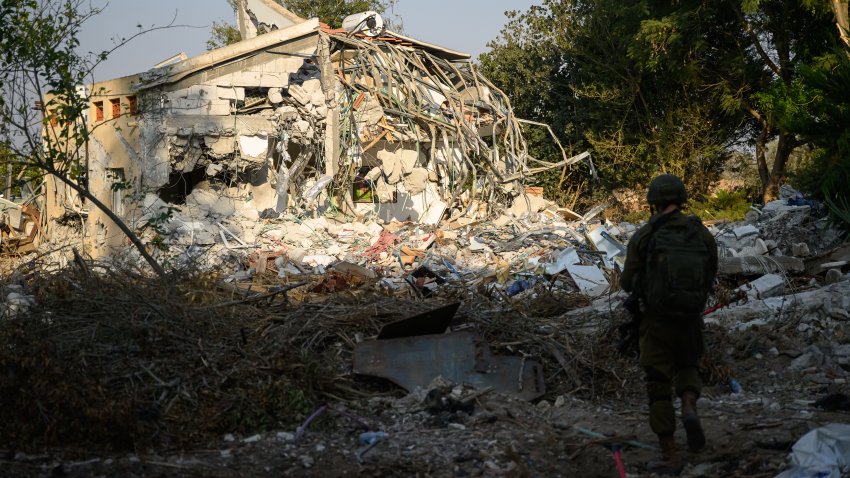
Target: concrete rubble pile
[{"x": 299, "y": 122}]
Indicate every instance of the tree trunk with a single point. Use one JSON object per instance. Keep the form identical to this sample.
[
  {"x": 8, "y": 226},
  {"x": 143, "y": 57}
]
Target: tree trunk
[
  {"x": 840, "y": 9},
  {"x": 761, "y": 156},
  {"x": 784, "y": 147}
]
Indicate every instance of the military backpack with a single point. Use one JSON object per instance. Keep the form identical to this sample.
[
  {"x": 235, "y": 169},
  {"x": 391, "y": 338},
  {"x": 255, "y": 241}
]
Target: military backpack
[{"x": 676, "y": 269}]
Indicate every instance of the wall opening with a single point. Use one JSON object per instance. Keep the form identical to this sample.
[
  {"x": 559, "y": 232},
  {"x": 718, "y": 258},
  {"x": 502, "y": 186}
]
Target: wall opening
[
  {"x": 116, "y": 107},
  {"x": 98, "y": 110},
  {"x": 181, "y": 185},
  {"x": 133, "y": 105},
  {"x": 118, "y": 185}
]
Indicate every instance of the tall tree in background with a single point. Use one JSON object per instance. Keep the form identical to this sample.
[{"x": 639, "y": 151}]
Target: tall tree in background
[
  {"x": 330, "y": 12},
  {"x": 622, "y": 78},
  {"x": 656, "y": 86},
  {"x": 781, "y": 38}
]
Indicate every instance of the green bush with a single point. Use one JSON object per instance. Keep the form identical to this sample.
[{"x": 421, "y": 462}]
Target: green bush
[{"x": 724, "y": 205}]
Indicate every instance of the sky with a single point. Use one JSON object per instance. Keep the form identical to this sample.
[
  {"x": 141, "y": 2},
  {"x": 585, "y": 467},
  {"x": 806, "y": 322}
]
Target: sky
[{"x": 463, "y": 25}]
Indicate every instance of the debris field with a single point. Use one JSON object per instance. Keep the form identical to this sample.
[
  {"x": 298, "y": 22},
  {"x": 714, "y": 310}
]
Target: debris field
[{"x": 482, "y": 351}]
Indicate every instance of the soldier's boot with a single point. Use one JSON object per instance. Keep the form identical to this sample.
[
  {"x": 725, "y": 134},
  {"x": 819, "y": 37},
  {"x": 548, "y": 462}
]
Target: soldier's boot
[
  {"x": 690, "y": 420},
  {"x": 669, "y": 463}
]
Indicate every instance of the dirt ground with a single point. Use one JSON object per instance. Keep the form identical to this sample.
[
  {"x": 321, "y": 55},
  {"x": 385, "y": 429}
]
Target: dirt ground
[{"x": 486, "y": 434}]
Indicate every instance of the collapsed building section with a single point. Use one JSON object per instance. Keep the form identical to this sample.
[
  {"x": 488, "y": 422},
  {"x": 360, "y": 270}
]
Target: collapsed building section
[{"x": 302, "y": 119}]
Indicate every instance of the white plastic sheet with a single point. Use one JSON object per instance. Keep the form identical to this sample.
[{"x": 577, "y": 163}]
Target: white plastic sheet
[{"x": 822, "y": 453}]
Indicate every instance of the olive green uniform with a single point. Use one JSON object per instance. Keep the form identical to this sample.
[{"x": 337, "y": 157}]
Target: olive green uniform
[{"x": 670, "y": 347}]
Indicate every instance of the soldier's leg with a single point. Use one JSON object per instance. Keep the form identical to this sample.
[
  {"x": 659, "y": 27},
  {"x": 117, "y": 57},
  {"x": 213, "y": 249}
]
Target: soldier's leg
[
  {"x": 689, "y": 384},
  {"x": 659, "y": 388}
]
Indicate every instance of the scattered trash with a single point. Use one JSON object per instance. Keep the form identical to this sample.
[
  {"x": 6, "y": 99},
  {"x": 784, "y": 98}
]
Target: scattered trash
[
  {"x": 822, "y": 453},
  {"x": 369, "y": 438},
  {"x": 735, "y": 386}
]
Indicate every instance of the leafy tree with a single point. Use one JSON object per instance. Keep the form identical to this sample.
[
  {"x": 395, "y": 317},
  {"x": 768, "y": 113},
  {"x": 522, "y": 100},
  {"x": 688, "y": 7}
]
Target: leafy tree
[
  {"x": 40, "y": 65},
  {"x": 622, "y": 78},
  {"x": 330, "y": 12},
  {"x": 653, "y": 85},
  {"x": 822, "y": 121}
]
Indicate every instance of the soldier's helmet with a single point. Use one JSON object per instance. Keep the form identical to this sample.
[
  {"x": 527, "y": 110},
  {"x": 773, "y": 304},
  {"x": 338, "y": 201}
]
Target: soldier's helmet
[{"x": 666, "y": 189}]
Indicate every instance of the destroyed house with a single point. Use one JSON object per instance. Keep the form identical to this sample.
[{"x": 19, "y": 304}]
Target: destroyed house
[{"x": 302, "y": 119}]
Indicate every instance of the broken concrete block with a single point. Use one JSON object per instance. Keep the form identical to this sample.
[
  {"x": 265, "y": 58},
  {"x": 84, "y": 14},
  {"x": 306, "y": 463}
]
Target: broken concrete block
[
  {"x": 833, "y": 276},
  {"x": 409, "y": 158},
  {"x": 299, "y": 95},
  {"x": 813, "y": 357},
  {"x": 386, "y": 193},
  {"x": 525, "y": 205},
  {"x": 747, "y": 265},
  {"x": 223, "y": 207},
  {"x": 312, "y": 86},
  {"x": 751, "y": 216},
  {"x": 213, "y": 169},
  {"x": 744, "y": 231},
  {"x": 320, "y": 111},
  {"x": 317, "y": 98},
  {"x": 202, "y": 197},
  {"x": 416, "y": 181},
  {"x": 391, "y": 166},
  {"x": 759, "y": 248},
  {"x": 286, "y": 112},
  {"x": 249, "y": 213},
  {"x": 254, "y": 146},
  {"x": 769, "y": 285},
  {"x": 275, "y": 96},
  {"x": 220, "y": 146},
  {"x": 373, "y": 174},
  {"x": 800, "y": 250},
  {"x": 352, "y": 269}
]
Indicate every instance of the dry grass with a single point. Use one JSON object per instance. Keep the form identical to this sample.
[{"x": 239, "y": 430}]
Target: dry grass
[{"x": 116, "y": 359}]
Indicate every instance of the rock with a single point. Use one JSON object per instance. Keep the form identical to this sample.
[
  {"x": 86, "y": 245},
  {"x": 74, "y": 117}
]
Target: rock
[
  {"x": 833, "y": 275},
  {"x": 299, "y": 94},
  {"x": 287, "y": 112},
  {"x": 813, "y": 357},
  {"x": 744, "y": 231},
  {"x": 751, "y": 216},
  {"x": 312, "y": 86},
  {"x": 800, "y": 250},
  {"x": 275, "y": 96}
]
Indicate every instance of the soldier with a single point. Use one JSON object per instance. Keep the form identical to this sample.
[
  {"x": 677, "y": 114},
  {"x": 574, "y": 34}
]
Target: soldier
[{"x": 670, "y": 266}]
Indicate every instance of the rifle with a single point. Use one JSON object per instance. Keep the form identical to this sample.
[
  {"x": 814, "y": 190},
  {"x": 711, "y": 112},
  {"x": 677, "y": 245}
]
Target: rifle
[{"x": 630, "y": 331}]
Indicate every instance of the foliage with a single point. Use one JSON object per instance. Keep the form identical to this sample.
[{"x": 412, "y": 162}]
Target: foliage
[
  {"x": 624, "y": 79},
  {"x": 39, "y": 63},
  {"x": 822, "y": 121},
  {"x": 654, "y": 86},
  {"x": 725, "y": 205},
  {"x": 332, "y": 13}
]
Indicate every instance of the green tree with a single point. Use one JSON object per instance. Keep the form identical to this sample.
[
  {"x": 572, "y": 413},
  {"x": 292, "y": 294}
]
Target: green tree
[
  {"x": 780, "y": 37},
  {"x": 622, "y": 78},
  {"x": 40, "y": 65},
  {"x": 667, "y": 86},
  {"x": 330, "y": 12},
  {"x": 822, "y": 119}
]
